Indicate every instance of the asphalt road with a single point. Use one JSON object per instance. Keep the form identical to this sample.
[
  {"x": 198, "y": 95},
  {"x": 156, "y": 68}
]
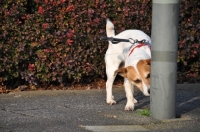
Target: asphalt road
[{"x": 86, "y": 110}]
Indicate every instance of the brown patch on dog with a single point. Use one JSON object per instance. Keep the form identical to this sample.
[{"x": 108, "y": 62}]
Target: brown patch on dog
[
  {"x": 144, "y": 67},
  {"x": 136, "y": 78},
  {"x": 131, "y": 74}
]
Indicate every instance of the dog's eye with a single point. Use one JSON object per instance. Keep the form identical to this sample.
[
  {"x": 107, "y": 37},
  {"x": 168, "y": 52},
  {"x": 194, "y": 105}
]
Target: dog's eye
[
  {"x": 148, "y": 75},
  {"x": 137, "y": 81}
]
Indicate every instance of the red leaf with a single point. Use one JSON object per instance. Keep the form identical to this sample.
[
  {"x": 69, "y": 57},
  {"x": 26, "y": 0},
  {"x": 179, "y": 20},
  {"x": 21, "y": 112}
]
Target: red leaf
[
  {"x": 45, "y": 25},
  {"x": 70, "y": 8},
  {"x": 40, "y": 10},
  {"x": 31, "y": 67},
  {"x": 69, "y": 41},
  {"x": 70, "y": 34}
]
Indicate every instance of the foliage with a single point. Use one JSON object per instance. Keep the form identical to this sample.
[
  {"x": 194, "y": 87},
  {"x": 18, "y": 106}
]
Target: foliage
[
  {"x": 45, "y": 41},
  {"x": 189, "y": 42},
  {"x": 144, "y": 112}
]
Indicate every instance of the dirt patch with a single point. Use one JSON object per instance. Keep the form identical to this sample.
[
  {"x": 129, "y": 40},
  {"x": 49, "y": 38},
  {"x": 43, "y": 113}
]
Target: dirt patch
[{"x": 96, "y": 84}]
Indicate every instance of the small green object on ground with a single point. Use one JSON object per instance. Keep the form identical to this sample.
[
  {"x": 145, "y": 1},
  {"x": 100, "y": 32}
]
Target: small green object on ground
[{"x": 145, "y": 112}]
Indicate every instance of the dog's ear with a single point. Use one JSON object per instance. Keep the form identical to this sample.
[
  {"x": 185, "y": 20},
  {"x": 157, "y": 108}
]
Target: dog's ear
[
  {"x": 122, "y": 72},
  {"x": 148, "y": 61}
]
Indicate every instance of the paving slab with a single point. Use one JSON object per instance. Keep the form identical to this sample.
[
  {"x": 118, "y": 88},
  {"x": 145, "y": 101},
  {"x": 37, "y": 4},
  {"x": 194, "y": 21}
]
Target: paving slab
[{"x": 116, "y": 128}]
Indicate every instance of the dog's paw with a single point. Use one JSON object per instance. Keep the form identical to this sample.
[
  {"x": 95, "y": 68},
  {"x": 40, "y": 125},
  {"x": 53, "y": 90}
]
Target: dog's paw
[
  {"x": 111, "y": 101},
  {"x": 129, "y": 107}
]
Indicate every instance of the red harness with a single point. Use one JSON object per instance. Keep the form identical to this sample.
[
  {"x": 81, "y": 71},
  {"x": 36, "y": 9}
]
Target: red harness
[{"x": 138, "y": 46}]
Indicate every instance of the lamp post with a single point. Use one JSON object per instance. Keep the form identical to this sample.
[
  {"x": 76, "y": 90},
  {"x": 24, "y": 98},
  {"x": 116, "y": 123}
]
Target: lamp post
[{"x": 164, "y": 58}]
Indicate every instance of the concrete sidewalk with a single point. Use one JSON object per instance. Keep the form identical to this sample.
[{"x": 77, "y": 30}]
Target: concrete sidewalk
[{"x": 83, "y": 111}]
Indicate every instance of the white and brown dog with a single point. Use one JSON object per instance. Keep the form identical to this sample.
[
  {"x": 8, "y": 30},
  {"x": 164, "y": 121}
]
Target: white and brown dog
[{"x": 136, "y": 57}]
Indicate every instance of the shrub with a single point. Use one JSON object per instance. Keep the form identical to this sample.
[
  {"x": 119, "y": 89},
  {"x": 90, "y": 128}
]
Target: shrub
[
  {"x": 189, "y": 42},
  {"x": 44, "y": 41}
]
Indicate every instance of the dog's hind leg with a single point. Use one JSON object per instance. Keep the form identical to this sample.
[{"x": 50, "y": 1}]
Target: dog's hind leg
[
  {"x": 109, "y": 83},
  {"x": 112, "y": 64}
]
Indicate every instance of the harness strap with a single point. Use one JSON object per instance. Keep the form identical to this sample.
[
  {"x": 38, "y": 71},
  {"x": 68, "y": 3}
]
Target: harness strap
[{"x": 138, "y": 46}]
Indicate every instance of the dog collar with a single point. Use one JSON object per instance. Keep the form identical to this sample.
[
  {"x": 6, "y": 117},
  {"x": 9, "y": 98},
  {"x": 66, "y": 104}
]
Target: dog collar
[{"x": 138, "y": 46}]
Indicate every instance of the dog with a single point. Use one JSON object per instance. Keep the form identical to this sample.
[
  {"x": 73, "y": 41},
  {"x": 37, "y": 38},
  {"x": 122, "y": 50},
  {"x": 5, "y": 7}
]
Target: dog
[{"x": 131, "y": 61}]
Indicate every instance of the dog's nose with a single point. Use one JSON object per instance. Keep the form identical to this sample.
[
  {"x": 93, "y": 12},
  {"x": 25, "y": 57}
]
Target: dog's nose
[{"x": 149, "y": 91}]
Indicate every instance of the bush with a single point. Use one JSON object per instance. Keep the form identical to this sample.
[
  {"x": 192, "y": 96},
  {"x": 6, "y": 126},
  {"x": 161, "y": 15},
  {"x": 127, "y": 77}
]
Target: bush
[
  {"x": 189, "y": 42},
  {"x": 44, "y": 41}
]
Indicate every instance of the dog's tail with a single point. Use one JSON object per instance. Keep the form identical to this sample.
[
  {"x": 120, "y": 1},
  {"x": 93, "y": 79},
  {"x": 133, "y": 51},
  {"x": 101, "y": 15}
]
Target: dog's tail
[{"x": 110, "y": 31}]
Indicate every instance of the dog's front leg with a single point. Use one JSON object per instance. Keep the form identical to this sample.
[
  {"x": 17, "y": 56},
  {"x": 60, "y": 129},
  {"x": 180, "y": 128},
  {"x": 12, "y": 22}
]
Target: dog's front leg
[{"x": 129, "y": 95}]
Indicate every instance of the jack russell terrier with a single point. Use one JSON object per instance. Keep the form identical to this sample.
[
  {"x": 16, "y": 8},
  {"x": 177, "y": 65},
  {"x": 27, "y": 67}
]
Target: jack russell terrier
[{"x": 137, "y": 60}]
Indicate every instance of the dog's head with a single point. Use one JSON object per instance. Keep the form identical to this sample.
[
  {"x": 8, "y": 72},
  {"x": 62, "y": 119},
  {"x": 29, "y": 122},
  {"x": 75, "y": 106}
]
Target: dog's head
[{"x": 138, "y": 75}]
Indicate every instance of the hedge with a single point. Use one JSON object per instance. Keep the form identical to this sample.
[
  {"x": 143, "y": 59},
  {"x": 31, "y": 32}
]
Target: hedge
[{"x": 45, "y": 41}]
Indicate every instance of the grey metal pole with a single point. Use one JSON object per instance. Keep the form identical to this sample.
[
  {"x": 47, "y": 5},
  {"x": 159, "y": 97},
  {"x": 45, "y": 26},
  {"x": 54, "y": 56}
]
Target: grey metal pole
[{"x": 164, "y": 59}]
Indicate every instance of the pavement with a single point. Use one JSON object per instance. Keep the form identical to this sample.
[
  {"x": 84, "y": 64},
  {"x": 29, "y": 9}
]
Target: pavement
[{"x": 87, "y": 111}]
